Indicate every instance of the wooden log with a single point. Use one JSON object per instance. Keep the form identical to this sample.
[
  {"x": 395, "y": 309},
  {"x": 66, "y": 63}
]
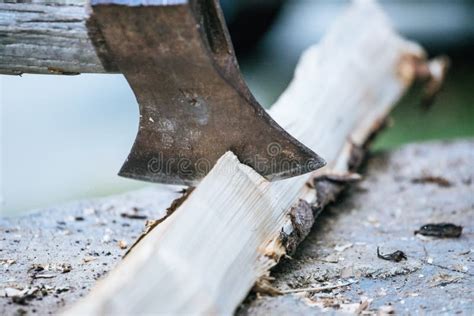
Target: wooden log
[
  {"x": 236, "y": 225},
  {"x": 47, "y": 37}
]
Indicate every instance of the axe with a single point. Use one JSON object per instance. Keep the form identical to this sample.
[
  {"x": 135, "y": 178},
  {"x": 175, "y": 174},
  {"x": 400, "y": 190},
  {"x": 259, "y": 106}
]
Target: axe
[{"x": 194, "y": 105}]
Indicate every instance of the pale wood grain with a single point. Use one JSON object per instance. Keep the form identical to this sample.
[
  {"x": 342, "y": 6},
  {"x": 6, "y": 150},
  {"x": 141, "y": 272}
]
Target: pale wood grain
[{"x": 207, "y": 256}]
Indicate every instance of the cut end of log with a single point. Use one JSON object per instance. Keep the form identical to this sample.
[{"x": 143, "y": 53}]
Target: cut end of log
[{"x": 230, "y": 166}]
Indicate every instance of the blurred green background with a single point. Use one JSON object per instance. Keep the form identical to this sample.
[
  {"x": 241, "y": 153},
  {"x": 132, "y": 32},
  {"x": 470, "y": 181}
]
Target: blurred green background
[
  {"x": 451, "y": 116},
  {"x": 65, "y": 138}
]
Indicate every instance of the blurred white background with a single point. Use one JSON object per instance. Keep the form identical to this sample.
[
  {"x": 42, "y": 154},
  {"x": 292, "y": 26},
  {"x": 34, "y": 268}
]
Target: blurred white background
[{"x": 64, "y": 137}]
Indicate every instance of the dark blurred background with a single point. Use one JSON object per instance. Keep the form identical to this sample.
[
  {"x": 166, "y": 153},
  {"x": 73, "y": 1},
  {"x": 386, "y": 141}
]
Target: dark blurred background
[{"x": 65, "y": 138}]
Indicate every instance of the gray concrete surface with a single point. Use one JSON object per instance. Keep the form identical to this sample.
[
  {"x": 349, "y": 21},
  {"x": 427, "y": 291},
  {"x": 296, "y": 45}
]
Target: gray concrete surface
[{"x": 50, "y": 258}]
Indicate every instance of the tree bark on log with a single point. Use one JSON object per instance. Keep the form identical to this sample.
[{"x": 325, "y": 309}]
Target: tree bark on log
[{"x": 236, "y": 225}]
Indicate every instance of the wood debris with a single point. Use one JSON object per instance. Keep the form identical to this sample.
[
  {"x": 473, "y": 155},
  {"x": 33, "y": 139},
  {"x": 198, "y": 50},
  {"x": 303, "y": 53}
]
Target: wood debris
[
  {"x": 332, "y": 258},
  {"x": 355, "y": 308},
  {"x": 89, "y": 211},
  {"x": 43, "y": 276},
  {"x": 22, "y": 296},
  {"x": 396, "y": 256},
  {"x": 88, "y": 259},
  {"x": 264, "y": 286},
  {"x": 134, "y": 213},
  {"x": 43, "y": 271},
  {"x": 341, "y": 248},
  {"x": 317, "y": 288},
  {"x": 339, "y": 177},
  {"x": 152, "y": 223},
  {"x": 122, "y": 244},
  {"x": 437, "y": 70},
  {"x": 440, "y": 230},
  {"x": 106, "y": 238},
  {"x": 7, "y": 262},
  {"x": 443, "y": 279},
  {"x": 385, "y": 310},
  {"x": 442, "y": 182}
]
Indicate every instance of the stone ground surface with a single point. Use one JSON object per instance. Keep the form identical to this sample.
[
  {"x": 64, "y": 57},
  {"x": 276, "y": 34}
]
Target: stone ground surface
[
  {"x": 384, "y": 210},
  {"x": 84, "y": 235},
  {"x": 50, "y": 258}
]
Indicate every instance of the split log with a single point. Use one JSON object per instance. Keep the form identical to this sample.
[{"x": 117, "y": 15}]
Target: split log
[{"x": 236, "y": 225}]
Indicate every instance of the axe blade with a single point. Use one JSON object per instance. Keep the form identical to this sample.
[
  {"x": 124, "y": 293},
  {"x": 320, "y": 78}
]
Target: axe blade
[{"x": 194, "y": 105}]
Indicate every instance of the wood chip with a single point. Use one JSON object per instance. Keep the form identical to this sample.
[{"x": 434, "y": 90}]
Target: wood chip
[
  {"x": 443, "y": 279},
  {"x": 440, "y": 230},
  {"x": 386, "y": 310},
  {"x": 341, "y": 248},
  {"x": 332, "y": 258},
  {"x": 396, "y": 256},
  {"x": 88, "y": 259},
  {"x": 7, "y": 262},
  {"x": 339, "y": 177},
  {"x": 43, "y": 276},
  {"x": 440, "y": 181},
  {"x": 11, "y": 292},
  {"x": 122, "y": 244},
  {"x": 106, "y": 238},
  {"x": 317, "y": 289},
  {"x": 134, "y": 213}
]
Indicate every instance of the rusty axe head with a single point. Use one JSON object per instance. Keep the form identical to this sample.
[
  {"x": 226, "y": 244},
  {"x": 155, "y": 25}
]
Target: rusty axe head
[{"x": 194, "y": 105}]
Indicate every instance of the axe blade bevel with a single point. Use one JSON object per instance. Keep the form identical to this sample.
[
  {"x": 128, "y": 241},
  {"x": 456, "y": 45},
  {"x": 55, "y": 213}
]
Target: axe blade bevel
[{"x": 194, "y": 105}]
